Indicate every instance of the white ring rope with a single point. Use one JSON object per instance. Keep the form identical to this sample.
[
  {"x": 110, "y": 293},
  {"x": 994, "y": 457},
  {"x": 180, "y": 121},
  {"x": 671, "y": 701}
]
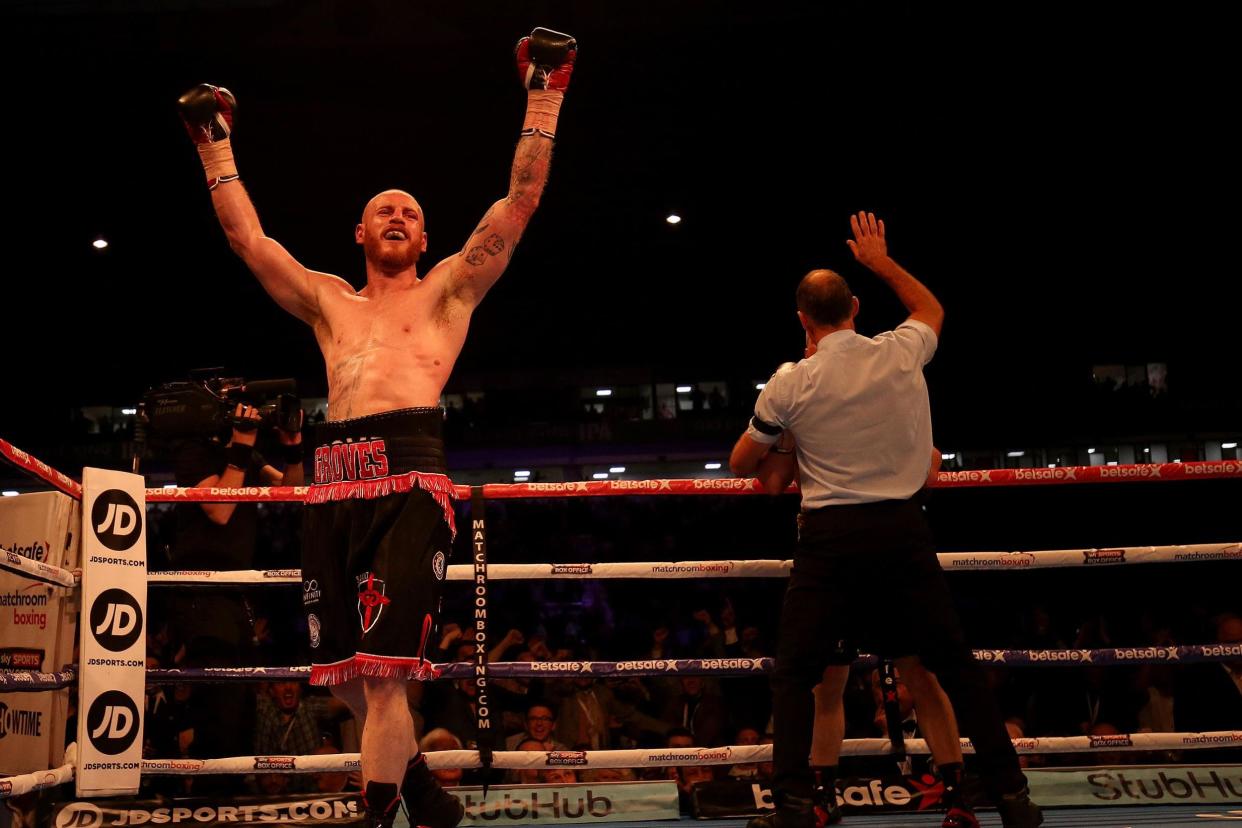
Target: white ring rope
[
  {"x": 38, "y": 780},
  {"x": 952, "y": 561},
  {"x": 39, "y": 571},
  {"x": 675, "y": 757}
]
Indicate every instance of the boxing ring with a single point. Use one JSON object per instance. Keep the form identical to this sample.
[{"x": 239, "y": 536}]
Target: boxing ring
[{"x": 480, "y": 573}]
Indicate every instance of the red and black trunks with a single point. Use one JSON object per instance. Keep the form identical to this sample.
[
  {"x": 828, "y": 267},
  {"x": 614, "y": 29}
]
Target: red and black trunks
[{"x": 377, "y": 531}]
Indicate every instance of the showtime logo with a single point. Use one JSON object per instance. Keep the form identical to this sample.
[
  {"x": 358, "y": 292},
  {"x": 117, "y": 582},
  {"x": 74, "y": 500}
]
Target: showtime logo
[
  {"x": 275, "y": 763},
  {"x": 1104, "y": 742}
]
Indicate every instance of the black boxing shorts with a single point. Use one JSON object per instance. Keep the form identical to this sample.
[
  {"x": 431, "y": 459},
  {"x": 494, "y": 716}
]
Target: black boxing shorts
[{"x": 377, "y": 531}]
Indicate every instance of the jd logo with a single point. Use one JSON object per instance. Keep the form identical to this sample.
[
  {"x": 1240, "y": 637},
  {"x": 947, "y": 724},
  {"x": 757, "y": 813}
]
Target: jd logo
[
  {"x": 112, "y": 723},
  {"x": 79, "y": 815},
  {"x": 116, "y": 520},
  {"x": 116, "y": 620}
]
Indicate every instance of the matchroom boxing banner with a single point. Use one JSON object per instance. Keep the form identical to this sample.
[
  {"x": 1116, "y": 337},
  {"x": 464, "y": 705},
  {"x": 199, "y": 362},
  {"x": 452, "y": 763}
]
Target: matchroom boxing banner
[
  {"x": 112, "y": 669},
  {"x": 36, "y": 628}
]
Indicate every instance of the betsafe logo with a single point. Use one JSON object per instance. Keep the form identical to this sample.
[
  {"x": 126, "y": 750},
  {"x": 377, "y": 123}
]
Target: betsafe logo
[
  {"x": 116, "y": 620},
  {"x": 112, "y": 723},
  {"x": 116, "y": 519}
]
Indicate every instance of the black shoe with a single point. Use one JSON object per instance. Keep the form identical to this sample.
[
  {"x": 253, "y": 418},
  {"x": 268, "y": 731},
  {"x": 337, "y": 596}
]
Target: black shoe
[
  {"x": 381, "y": 800},
  {"x": 428, "y": 804},
  {"x": 792, "y": 812},
  {"x": 1018, "y": 811},
  {"x": 827, "y": 811}
]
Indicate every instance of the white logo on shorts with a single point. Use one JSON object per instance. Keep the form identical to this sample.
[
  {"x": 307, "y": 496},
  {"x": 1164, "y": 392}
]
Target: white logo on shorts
[
  {"x": 437, "y": 566},
  {"x": 312, "y": 622}
]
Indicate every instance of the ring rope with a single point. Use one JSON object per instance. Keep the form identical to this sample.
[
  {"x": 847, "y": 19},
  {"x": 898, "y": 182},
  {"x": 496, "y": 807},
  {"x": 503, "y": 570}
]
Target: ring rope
[
  {"x": 954, "y": 561},
  {"x": 675, "y": 757}
]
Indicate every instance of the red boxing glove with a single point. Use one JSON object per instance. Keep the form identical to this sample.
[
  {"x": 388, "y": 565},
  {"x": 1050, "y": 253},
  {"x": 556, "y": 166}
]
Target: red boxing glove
[
  {"x": 545, "y": 60},
  {"x": 207, "y": 112}
]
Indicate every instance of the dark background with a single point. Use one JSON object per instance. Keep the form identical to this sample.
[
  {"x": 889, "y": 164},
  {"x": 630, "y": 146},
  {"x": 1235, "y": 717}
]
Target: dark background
[{"x": 1060, "y": 176}]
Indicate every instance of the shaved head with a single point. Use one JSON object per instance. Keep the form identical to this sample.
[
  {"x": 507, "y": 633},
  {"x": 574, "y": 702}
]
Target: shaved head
[
  {"x": 825, "y": 298},
  {"x": 391, "y": 195},
  {"x": 392, "y": 232}
]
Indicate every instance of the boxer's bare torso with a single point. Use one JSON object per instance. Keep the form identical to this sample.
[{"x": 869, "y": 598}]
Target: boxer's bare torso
[{"x": 388, "y": 348}]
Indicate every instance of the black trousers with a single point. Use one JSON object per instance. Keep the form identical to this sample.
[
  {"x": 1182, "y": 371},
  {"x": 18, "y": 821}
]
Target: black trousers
[{"x": 865, "y": 577}]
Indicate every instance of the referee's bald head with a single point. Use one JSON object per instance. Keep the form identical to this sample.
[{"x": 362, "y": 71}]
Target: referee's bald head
[{"x": 825, "y": 298}]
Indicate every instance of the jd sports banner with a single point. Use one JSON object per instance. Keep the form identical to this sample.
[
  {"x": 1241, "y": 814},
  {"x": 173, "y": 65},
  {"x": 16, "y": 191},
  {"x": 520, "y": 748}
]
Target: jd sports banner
[
  {"x": 202, "y": 812},
  {"x": 113, "y": 641}
]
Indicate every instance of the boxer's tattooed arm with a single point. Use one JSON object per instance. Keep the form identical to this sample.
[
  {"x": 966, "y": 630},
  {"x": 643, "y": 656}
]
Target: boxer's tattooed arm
[
  {"x": 530, "y": 167},
  {"x": 490, "y": 247}
]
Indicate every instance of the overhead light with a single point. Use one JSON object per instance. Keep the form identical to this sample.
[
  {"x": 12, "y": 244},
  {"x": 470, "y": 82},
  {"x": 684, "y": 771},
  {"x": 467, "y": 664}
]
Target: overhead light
[
  {"x": 759, "y": 386},
  {"x": 683, "y": 389},
  {"x": 1015, "y": 454},
  {"x": 129, "y": 411},
  {"x": 600, "y": 475},
  {"x": 1146, "y": 451},
  {"x": 1090, "y": 451},
  {"x": 1052, "y": 465},
  {"x": 1228, "y": 445},
  {"x": 617, "y": 470},
  {"x": 8, "y": 493},
  {"x": 521, "y": 473},
  {"x": 1177, "y": 459},
  {"x": 99, "y": 244},
  {"x": 1112, "y": 462},
  {"x": 603, "y": 392},
  {"x": 170, "y": 485},
  {"x": 949, "y": 456},
  {"x": 673, "y": 218},
  {"x": 711, "y": 466}
]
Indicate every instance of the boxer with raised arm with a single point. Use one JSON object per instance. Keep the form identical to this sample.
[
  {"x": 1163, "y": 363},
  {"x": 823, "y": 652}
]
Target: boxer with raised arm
[{"x": 378, "y": 520}]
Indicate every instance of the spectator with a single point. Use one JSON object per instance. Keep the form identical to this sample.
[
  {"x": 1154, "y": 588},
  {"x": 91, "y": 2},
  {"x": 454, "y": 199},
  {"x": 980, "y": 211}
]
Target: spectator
[
  {"x": 441, "y": 739},
  {"x": 289, "y": 724},
  {"x": 702, "y": 713}
]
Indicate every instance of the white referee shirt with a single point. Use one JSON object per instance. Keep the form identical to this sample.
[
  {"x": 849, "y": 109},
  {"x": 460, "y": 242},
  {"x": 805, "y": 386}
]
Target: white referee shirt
[{"x": 859, "y": 412}]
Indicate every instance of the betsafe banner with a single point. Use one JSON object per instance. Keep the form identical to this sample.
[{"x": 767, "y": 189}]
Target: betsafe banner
[
  {"x": 742, "y": 797},
  {"x": 203, "y": 812},
  {"x": 551, "y": 804},
  {"x": 1137, "y": 785}
]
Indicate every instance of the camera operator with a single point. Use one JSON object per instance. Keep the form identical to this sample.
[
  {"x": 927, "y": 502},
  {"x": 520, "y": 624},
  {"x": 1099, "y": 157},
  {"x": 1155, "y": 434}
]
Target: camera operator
[{"x": 217, "y": 626}]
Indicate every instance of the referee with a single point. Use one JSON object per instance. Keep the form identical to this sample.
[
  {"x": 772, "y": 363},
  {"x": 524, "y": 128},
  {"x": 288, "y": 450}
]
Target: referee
[{"x": 858, "y": 411}]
